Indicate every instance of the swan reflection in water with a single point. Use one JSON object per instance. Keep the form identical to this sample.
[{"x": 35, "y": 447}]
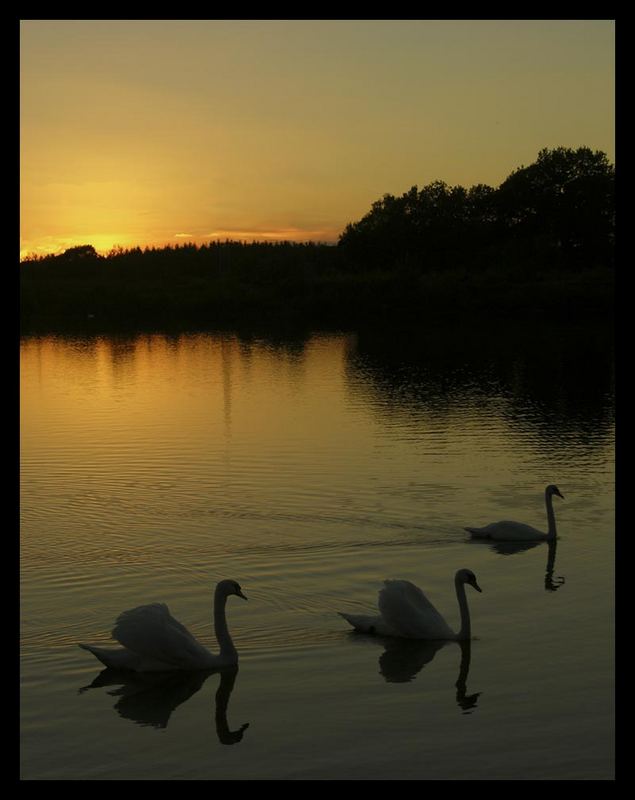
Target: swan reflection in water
[
  {"x": 552, "y": 584},
  {"x": 511, "y": 548},
  {"x": 149, "y": 698},
  {"x": 403, "y": 659}
]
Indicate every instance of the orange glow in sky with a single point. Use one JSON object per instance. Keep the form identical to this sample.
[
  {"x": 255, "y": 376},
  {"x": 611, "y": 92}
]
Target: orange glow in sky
[{"x": 162, "y": 132}]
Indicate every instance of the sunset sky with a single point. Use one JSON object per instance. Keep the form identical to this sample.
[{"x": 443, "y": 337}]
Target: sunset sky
[{"x": 163, "y": 132}]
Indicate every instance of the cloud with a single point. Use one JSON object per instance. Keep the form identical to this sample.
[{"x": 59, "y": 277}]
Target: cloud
[{"x": 276, "y": 234}]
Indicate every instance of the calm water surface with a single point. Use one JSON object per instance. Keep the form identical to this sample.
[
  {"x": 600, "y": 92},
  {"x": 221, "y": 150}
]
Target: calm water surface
[{"x": 310, "y": 470}]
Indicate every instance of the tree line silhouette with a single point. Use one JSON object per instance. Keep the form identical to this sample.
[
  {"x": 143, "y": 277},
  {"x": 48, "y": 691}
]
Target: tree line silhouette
[
  {"x": 557, "y": 213},
  {"x": 543, "y": 240}
]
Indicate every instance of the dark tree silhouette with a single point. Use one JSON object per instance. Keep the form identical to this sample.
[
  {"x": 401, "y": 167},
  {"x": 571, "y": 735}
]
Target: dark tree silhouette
[
  {"x": 81, "y": 252},
  {"x": 541, "y": 241},
  {"x": 559, "y": 211},
  {"x": 422, "y": 228},
  {"x": 563, "y": 202}
]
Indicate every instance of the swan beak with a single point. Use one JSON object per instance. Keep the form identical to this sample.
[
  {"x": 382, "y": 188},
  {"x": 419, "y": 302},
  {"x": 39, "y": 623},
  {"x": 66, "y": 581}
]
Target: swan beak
[
  {"x": 240, "y": 594},
  {"x": 476, "y": 586},
  {"x": 558, "y": 493}
]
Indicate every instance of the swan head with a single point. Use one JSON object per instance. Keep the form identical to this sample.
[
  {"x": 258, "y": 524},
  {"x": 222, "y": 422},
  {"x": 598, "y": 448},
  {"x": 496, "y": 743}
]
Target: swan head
[
  {"x": 467, "y": 576},
  {"x": 228, "y": 587},
  {"x": 553, "y": 489}
]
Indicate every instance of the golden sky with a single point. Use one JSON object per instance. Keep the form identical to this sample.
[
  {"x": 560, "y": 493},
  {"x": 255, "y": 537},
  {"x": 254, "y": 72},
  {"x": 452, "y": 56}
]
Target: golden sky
[{"x": 163, "y": 132}]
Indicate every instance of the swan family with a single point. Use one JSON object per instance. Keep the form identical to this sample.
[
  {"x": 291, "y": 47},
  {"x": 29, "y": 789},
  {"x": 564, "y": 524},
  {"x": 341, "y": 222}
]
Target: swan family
[{"x": 154, "y": 641}]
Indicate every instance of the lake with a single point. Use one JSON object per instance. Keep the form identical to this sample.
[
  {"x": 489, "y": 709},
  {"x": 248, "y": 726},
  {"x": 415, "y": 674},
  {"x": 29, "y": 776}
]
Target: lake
[{"x": 309, "y": 469}]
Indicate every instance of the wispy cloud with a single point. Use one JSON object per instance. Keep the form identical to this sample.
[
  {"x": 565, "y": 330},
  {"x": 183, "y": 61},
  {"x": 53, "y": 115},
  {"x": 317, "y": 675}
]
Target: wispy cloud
[{"x": 275, "y": 234}]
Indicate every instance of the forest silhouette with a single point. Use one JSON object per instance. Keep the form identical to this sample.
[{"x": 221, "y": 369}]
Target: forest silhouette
[{"x": 540, "y": 243}]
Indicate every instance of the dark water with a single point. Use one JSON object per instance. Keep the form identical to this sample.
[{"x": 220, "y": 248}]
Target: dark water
[{"x": 310, "y": 470}]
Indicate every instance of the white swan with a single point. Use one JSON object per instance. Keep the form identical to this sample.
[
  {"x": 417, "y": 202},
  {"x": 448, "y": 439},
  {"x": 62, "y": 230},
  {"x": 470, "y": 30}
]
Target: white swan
[
  {"x": 154, "y": 641},
  {"x": 507, "y": 531},
  {"x": 406, "y": 612}
]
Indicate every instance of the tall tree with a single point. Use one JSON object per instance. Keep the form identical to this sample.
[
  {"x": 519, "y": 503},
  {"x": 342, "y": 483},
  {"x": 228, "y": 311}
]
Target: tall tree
[{"x": 566, "y": 200}]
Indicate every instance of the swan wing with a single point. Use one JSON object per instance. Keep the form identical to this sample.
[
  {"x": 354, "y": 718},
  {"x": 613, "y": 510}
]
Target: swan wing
[
  {"x": 152, "y": 632},
  {"x": 407, "y": 610},
  {"x": 116, "y": 658}
]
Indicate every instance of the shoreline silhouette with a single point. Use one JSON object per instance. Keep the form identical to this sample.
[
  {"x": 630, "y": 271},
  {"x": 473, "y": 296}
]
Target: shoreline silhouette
[{"x": 542, "y": 243}]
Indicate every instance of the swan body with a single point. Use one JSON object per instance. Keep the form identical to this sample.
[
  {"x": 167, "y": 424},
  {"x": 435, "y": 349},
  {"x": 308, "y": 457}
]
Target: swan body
[
  {"x": 508, "y": 531},
  {"x": 406, "y": 612},
  {"x": 154, "y": 641}
]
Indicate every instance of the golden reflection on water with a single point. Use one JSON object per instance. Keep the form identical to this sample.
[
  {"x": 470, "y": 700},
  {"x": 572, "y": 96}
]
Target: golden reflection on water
[
  {"x": 315, "y": 407},
  {"x": 180, "y": 378}
]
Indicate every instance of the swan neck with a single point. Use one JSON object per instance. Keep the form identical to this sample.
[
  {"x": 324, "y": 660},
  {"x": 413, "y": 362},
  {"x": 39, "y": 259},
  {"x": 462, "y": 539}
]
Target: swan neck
[
  {"x": 466, "y": 631},
  {"x": 551, "y": 518},
  {"x": 220, "y": 625}
]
